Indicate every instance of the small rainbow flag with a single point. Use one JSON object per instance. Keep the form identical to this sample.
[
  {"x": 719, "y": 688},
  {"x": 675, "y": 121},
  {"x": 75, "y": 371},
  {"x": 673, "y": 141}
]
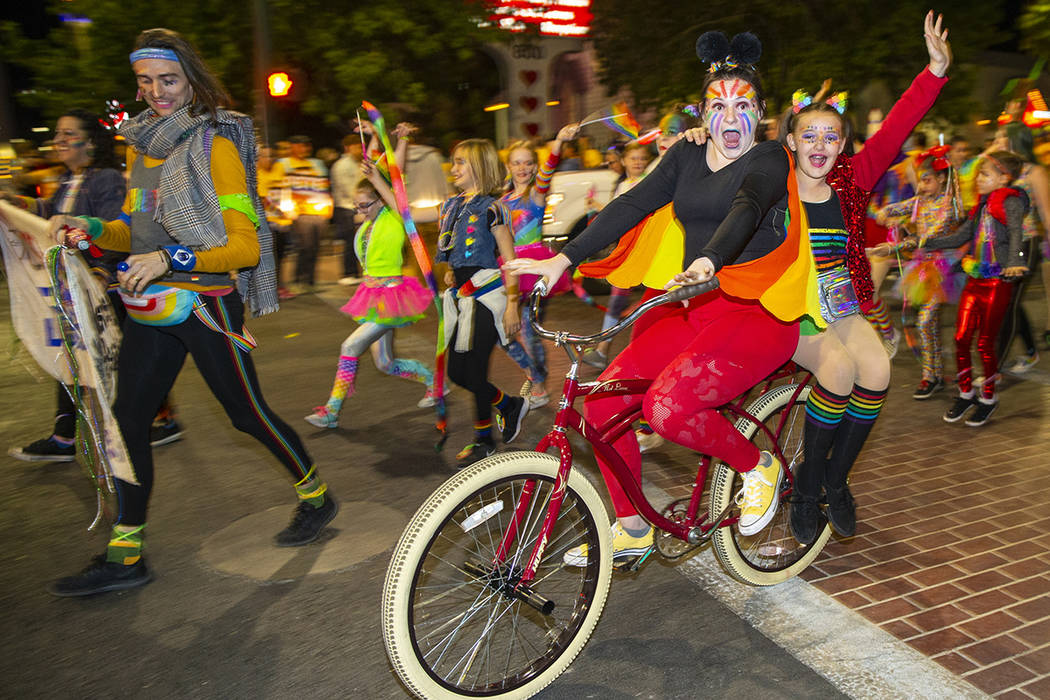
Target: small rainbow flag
[{"x": 617, "y": 117}]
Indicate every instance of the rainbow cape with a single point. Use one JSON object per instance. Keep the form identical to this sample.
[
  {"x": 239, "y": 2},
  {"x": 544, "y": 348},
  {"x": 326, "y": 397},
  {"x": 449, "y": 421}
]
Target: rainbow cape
[
  {"x": 784, "y": 281},
  {"x": 397, "y": 183}
]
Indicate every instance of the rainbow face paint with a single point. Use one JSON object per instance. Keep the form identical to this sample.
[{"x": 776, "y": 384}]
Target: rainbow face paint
[
  {"x": 731, "y": 116},
  {"x": 817, "y": 141}
]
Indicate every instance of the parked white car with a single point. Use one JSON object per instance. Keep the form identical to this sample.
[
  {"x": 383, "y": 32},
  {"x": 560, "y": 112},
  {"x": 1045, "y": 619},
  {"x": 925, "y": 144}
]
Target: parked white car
[{"x": 566, "y": 213}]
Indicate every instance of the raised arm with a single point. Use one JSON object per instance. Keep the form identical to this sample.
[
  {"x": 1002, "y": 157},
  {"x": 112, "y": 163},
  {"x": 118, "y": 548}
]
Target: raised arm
[{"x": 880, "y": 150}]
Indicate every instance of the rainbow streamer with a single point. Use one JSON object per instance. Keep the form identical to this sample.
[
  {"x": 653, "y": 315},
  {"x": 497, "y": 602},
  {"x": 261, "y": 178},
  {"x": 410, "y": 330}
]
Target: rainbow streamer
[
  {"x": 397, "y": 182},
  {"x": 618, "y": 118}
]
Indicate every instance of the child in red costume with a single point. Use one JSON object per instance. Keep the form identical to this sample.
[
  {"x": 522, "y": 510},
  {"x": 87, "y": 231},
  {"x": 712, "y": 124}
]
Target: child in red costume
[{"x": 995, "y": 261}]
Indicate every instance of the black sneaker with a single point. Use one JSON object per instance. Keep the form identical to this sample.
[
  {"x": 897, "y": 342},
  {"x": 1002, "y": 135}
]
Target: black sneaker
[
  {"x": 474, "y": 452},
  {"x": 959, "y": 409},
  {"x": 927, "y": 388},
  {"x": 163, "y": 433},
  {"x": 806, "y": 519},
  {"x": 101, "y": 576},
  {"x": 842, "y": 513},
  {"x": 510, "y": 422},
  {"x": 44, "y": 450},
  {"x": 982, "y": 414},
  {"x": 307, "y": 522}
]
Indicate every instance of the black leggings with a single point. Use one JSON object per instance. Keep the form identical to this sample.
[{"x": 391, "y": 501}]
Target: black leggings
[
  {"x": 307, "y": 231},
  {"x": 150, "y": 360},
  {"x": 470, "y": 369}
]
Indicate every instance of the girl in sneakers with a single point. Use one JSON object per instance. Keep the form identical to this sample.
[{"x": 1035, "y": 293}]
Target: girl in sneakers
[
  {"x": 928, "y": 280},
  {"x": 480, "y": 310},
  {"x": 526, "y": 199},
  {"x": 384, "y": 301},
  {"x": 848, "y": 361},
  {"x": 996, "y": 261}
]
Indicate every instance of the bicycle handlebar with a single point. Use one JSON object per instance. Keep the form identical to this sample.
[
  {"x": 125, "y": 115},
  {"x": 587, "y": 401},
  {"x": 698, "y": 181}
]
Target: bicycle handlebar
[{"x": 561, "y": 337}]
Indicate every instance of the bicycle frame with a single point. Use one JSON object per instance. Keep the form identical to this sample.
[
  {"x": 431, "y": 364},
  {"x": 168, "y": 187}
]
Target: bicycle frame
[{"x": 601, "y": 438}]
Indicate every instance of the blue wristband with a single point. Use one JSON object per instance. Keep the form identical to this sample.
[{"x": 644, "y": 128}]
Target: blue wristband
[{"x": 182, "y": 258}]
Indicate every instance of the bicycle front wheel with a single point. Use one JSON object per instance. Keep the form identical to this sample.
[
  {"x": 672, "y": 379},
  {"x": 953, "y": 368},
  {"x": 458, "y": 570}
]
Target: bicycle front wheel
[
  {"x": 455, "y": 622},
  {"x": 772, "y": 555}
]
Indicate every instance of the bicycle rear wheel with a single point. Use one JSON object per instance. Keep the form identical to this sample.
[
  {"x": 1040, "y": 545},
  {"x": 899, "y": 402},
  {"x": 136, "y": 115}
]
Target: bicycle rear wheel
[
  {"x": 452, "y": 623},
  {"x": 772, "y": 555}
]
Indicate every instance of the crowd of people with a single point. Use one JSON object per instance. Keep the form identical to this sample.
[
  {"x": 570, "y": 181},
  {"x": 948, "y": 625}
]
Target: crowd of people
[{"x": 799, "y": 229}]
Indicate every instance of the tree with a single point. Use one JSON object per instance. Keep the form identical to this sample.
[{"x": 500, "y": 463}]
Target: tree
[
  {"x": 415, "y": 60},
  {"x": 1035, "y": 28},
  {"x": 803, "y": 43}
]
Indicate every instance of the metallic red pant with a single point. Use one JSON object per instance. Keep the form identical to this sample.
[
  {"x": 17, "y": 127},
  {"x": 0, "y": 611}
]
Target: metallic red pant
[{"x": 982, "y": 308}]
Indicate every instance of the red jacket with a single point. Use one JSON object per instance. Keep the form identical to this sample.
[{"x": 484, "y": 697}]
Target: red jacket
[{"x": 853, "y": 177}]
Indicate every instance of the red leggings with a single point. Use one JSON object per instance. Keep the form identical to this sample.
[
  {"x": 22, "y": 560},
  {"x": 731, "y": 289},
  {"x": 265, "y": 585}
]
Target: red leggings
[
  {"x": 982, "y": 308},
  {"x": 700, "y": 358}
]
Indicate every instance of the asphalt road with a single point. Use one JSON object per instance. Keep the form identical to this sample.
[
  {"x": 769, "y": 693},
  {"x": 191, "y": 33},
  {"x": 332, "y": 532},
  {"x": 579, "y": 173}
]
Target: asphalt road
[{"x": 228, "y": 616}]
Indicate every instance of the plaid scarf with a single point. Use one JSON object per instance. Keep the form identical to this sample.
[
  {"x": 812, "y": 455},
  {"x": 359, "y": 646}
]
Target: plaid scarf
[{"x": 187, "y": 205}]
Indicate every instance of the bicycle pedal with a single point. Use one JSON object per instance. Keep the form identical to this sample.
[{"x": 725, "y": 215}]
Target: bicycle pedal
[{"x": 632, "y": 564}]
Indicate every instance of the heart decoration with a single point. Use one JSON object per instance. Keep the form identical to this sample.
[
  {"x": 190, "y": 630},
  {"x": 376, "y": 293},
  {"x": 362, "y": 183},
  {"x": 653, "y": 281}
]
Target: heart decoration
[
  {"x": 528, "y": 76},
  {"x": 530, "y": 128},
  {"x": 528, "y": 103}
]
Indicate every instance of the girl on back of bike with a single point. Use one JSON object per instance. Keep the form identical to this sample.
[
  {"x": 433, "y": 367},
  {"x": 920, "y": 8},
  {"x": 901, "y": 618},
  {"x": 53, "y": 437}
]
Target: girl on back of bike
[
  {"x": 848, "y": 360},
  {"x": 731, "y": 199}
]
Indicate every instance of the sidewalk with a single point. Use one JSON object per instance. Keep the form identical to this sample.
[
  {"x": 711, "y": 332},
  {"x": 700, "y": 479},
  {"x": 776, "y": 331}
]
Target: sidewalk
[{"x": 952, "y": 552}]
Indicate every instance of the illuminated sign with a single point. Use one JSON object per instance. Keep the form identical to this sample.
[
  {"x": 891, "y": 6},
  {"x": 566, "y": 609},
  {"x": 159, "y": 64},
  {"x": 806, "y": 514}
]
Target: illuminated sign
[{"x": 548, "y": 17}]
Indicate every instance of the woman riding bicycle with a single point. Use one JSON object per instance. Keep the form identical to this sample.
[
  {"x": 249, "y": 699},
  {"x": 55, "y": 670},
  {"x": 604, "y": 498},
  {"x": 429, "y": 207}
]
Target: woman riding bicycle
[{"x": 731, "y": 199}]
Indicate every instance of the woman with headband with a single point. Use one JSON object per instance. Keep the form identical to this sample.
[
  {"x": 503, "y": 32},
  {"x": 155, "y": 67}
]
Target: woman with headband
[{"x": 191, "y": 221}]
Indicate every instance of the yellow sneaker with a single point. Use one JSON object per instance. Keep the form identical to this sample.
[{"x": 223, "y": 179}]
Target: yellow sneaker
[
  {"x": 760, "y": 495},
  {"x": 624, "y": 546}
]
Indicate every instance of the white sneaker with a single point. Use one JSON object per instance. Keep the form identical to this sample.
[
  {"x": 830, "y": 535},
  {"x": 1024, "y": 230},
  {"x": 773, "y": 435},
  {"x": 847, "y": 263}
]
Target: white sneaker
[
  {"x": 760, "y": 495},
  {"x": 1023, "y": 363},
  {"x": 322, "y": 418},
  {"x": 892, "y": 343},
  {"x": 623, "y": 547},
  {"x": 428, "y": 398},
  {"x": 648, "y": 441},
  {"x": 349, "y": 281}
]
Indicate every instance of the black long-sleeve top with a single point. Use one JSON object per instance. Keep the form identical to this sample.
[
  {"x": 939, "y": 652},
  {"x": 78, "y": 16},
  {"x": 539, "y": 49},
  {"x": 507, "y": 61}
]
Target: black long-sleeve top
[{"x": 732, "y": 215}]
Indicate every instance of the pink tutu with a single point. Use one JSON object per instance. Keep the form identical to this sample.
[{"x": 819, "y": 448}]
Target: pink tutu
[
  {"x": 929, "y": 277},
  {"x": 538, "y": 251},
  {"x": 389, "y": 301}
]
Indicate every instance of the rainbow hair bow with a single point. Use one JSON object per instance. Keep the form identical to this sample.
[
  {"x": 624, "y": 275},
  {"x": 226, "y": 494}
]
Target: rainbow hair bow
[
  {"x": 838, "y": 101},
  {"x": 800, "y": 99}
]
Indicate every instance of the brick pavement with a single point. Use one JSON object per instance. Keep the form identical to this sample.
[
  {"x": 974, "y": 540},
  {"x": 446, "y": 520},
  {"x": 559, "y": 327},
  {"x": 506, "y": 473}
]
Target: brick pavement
[{"x": 952, "y": 552}]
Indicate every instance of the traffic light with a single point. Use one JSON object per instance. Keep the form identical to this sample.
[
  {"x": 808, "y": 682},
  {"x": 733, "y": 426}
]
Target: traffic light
[{"x": 279, "y": 84}]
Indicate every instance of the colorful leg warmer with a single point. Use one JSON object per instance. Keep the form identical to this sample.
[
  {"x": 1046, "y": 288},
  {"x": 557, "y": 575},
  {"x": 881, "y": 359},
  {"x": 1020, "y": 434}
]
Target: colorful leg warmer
[
  {"x": 411, "y": 369},
  {"x": 861, "y": 411},
  {"x": 824, "y": 411},
  {"x": 929, "y": 325},
  {"x": 343, "y": 385},
  {"x": 125, "y": 544},
  {"x": 879, "y": 316}
]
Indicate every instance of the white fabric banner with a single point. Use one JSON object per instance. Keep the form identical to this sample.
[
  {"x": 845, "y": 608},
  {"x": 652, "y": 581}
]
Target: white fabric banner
[{"x": 80, "y": 311}]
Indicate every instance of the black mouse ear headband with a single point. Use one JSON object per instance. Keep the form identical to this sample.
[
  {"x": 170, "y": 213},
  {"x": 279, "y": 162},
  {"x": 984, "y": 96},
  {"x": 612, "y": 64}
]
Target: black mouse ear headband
[{"x": 714, "y": 48}]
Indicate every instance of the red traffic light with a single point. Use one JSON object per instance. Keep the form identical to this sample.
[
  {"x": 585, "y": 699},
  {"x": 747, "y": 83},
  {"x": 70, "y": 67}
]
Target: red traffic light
[{"x": 279, "y": 84}]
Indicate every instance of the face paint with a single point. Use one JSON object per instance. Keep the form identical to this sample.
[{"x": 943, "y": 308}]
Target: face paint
[
  {"x": 731, "y": 115},
  {"x": 817, "y": 142}
]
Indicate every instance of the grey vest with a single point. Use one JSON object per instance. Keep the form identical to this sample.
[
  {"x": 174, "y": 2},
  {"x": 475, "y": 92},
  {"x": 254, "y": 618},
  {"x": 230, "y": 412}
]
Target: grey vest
[{"x": 147, "y": 235}]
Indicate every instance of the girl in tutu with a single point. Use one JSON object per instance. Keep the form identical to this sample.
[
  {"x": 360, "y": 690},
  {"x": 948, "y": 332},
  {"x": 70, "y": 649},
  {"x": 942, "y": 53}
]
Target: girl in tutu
[
  {"x": 928, "y": 281},
  {"x": 384, "y": 301}
]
